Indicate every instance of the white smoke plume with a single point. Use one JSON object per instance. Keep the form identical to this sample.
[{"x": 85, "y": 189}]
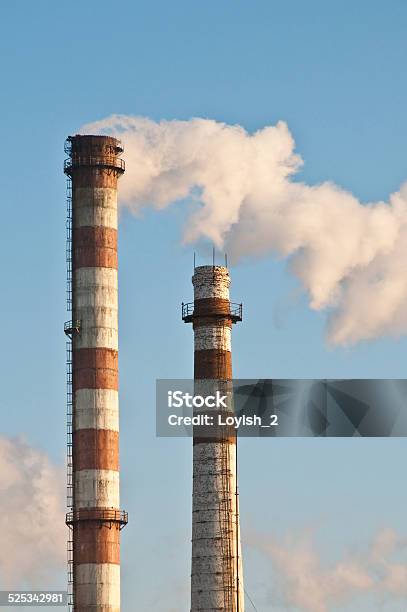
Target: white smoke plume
[
  {"x": 33, "y": 534},
  {"x": 348, "y": 256},
  {"x": 309, "y": 585}
]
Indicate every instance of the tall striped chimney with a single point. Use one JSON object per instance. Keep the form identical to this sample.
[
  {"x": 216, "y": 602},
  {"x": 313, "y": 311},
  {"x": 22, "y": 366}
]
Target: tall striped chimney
[
  {"x": 217, "y": 576},
  {"x": 95, "y": 519}
]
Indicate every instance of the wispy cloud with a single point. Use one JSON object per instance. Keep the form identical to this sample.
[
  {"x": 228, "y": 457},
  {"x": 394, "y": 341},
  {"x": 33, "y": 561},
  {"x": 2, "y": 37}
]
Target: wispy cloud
[
  {"x": 304, "y": 581},
  {"x": 32, "y": 497}
]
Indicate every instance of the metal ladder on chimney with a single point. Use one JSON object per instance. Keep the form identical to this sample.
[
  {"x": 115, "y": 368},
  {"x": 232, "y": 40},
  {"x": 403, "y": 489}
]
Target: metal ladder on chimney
[
  {"x": 226, "y": 530},
  {"x": 69, "y": 404},
  {"x": 227, "y": 516},
  {"x": 226, "y": 520}
]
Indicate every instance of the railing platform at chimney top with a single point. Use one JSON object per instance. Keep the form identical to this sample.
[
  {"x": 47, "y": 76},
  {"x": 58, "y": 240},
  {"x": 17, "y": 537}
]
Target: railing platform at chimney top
[
  {"x": 235, "y": 312},
  {"x": 109, "y": 162}
]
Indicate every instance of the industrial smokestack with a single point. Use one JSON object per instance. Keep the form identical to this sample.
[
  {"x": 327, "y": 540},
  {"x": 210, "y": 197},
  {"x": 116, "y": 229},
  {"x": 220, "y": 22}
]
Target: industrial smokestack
[
  {"x": 216, "y": 577},
  {"x": 95, "y": 519}
]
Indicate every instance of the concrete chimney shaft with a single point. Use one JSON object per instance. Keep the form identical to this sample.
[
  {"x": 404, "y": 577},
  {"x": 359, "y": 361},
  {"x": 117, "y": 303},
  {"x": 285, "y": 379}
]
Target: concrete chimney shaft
[
  {"x": 96, "y": 519},
  {"x": 217, "y": 575}
]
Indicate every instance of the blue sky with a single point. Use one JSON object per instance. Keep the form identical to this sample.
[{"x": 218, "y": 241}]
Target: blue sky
[{"x": 336, "y": 74}]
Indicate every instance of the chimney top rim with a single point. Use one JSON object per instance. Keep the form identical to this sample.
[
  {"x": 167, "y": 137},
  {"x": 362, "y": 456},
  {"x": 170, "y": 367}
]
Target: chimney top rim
[{"x": 209, "y": 267}]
